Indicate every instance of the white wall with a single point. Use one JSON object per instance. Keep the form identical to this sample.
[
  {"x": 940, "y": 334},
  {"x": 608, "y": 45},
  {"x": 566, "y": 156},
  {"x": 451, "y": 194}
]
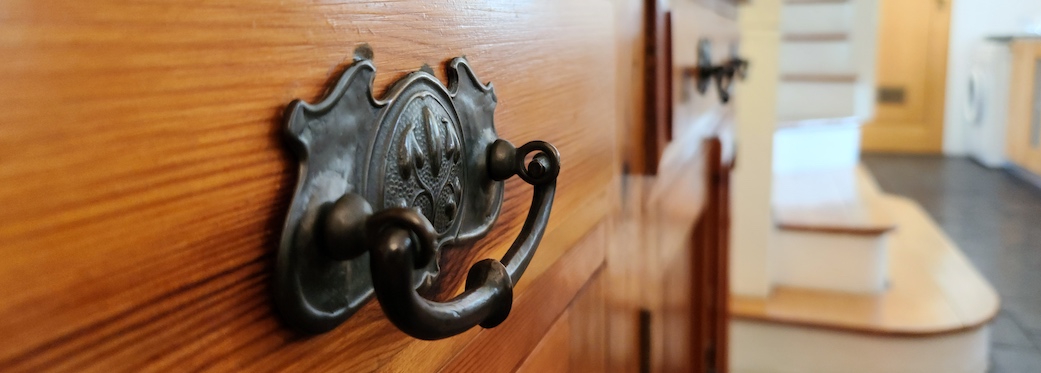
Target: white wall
[
  {"x": 971, "y": 21},
  {"x": 756, "y": 100}
]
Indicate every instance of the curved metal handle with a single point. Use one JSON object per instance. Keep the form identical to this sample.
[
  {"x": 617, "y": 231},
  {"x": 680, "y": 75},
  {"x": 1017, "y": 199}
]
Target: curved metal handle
[
  {"x": 705, "y": 71},
  {"x": 398, "y": 251},
  {"x": 401, "y": 240},
  {"x": 724, "y": 80},
  {"x": 725, "y": 76},
  {"x": 385, "y": 184}
]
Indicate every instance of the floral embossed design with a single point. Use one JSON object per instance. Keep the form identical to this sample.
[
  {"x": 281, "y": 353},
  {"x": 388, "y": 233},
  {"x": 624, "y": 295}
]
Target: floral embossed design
[{"x": 427, "y": 152}]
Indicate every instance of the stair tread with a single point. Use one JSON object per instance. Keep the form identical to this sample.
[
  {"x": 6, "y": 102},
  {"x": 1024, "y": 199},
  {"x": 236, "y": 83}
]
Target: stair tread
[
  {"x": 823, "y": 202},
  {"x": 815, "y": 37},
  {"x": 832, "y": 78},
  {"x": 933, "y": 289},
  {"x": 814, "y": 122}
]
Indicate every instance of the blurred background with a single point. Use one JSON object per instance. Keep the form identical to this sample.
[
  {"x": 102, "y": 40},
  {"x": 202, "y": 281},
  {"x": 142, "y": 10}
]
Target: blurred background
[{"x": 905, "y": 219}]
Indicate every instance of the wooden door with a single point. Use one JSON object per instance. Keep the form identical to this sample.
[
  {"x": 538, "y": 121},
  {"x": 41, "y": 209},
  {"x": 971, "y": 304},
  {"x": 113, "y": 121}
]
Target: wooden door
[
  {"x": 144, "y": 179},
  {"x": 911, "y": 77}
]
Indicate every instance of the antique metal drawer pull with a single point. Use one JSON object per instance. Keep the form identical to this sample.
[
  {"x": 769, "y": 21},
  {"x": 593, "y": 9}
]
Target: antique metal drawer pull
[
  {"x": 386, "y": 185},
  {"x": 724, "y": 74}
]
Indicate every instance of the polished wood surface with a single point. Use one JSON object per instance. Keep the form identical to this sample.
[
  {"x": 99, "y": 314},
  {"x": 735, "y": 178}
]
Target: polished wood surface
[
  {"x": 696, "y": 291},
  {"x": 505, "y": 347},
  {"x": 693, "y": 248},
  {"x": 650, "y": 267},
  {"x": 551, "y": 355},
  {"x": 933, "y": 289},
  {"x": 658, "y": 83},
  {"x": 575, "y": 343},
  {"x": 631, "y": 27},
  {"x": 1022, "y": 96},
  {"x": 588, "y": 345},
  {"x": 627, "y": 277},
  {"x": 912, "y": 55},
  {"x": 145, "y": 179},
  {"x": 650, "y": 258},
  {"x": 650, "y": 261},
  {"x": 712, "y": 234}
]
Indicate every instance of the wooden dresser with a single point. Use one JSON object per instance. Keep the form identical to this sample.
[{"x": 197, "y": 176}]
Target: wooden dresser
[{"x": 145, "y": 179}]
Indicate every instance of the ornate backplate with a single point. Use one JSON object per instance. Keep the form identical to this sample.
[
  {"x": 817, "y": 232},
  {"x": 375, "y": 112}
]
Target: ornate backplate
[{"x": 423, "y": 146}]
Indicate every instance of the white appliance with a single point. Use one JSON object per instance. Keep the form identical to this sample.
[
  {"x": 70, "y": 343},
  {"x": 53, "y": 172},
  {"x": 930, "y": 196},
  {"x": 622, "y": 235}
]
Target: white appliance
[{"x": 986, "y": 111}]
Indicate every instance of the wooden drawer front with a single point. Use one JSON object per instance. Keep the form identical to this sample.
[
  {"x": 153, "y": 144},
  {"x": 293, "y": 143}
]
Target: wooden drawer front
[
  {"x": 145, "y": 180},
  {"x": 688, "y": 205}
]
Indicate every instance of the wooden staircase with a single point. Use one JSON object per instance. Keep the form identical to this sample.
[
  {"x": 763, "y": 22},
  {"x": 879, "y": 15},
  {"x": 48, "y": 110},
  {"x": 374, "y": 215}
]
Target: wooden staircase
[
  {"x": 862, "y": 281},
  {"x": 931, "y": 316},
  {"x": 832, "y": 232},
  {"x": 870, "y": 279},
  {"x": 933, "y": 289},
  {"x": 827, "y": 59}
]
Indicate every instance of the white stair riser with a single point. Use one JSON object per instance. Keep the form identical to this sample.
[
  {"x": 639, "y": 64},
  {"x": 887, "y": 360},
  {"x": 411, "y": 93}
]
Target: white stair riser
[
  {"x": 816, "y": 148},
  {"x": 833, "y": 191},
  {"x": 817, "y": 18},
  {"x": 817, "y": 58},
  {"x": 757, "y": 347},
  {"x": 831, "y": 261},
  {"x": 816, "y": 100}
]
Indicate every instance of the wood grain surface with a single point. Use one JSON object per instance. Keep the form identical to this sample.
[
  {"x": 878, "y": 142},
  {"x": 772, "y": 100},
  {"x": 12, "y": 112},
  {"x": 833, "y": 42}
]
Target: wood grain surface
[
  {"x": 650, "y": 244},
  {"x": 631, "y": 29},
  {"x": 693, "y": 261},
  {"x": 692, "y": 257},
  {"x": 144, "y": 178},
  {"x": 575, "y": 342},
  {"x": 651, "y": 258},
  {"x": 551, "y": 355},
  {"x": 504, "y": 348}
]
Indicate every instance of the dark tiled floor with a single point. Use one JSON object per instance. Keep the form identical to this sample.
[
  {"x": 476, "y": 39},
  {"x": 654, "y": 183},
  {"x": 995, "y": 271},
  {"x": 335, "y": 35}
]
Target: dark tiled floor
[{"x": 995, "y": 218}]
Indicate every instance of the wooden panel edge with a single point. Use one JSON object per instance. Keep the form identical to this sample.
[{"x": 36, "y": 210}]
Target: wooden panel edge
[{"x": 505, "y": 347}]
